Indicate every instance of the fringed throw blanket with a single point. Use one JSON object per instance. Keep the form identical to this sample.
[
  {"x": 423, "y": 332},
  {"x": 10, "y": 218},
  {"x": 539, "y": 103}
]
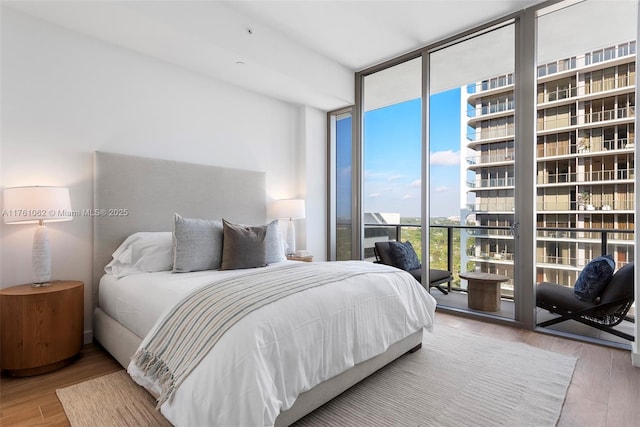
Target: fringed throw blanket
[{"x": 189, "y": 331}]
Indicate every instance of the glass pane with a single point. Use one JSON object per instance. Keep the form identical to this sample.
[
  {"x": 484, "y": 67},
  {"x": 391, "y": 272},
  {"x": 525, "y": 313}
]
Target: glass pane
[
  {"x": 344, "y": 183},
  {"x": 472, "y": 152},
  {"x": 392, "y": 150},
  {"x": 585, "y": 142}
]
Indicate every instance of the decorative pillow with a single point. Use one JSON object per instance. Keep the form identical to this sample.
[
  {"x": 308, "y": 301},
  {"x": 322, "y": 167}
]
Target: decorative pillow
[
  {"x": 142, "y": 252},
  {"x": 197, "y": 244},
  {"x": 404, "y": 256},
  {"x": 594, "y": 278},
  {"x": 243, "y": 246},
  {"x": 273, "y": 245}
]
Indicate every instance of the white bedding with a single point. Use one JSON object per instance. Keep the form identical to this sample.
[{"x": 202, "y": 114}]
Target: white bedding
[{"x": 260, "y": 366}]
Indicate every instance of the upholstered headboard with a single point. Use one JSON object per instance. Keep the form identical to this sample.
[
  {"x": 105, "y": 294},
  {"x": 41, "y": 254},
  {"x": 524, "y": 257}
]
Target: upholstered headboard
[{"x": 142, "y": 194}]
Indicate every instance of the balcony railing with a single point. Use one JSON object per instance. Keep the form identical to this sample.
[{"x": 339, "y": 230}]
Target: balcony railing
[
  {"x": 499, "y": 107},
  {"x": 492, "y": 182},
  {"x": 595, "y": 57},
  {"x": 491, "y": 247},
  {"x": 491, "y": 157},
  {"x": 502, "y": 132},
  {"x": 551, "y": 123},
  {"x": 616, "y": 205},
  {"x": 590, "y": 87},
  {"x": 586, "y": 146},
  {"x": 581, "y": 177}
]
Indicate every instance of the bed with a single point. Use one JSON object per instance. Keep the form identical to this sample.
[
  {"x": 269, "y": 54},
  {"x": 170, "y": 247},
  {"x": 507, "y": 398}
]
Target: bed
[{"x": 127, "y": 310}]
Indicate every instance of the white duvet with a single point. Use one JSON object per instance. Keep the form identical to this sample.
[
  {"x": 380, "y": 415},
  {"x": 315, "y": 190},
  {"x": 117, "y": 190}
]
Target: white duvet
[{"x": 260, "y": 366}]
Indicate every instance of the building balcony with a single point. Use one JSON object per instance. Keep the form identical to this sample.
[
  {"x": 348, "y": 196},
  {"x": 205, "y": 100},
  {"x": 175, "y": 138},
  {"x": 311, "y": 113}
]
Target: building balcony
[
  {"x": 496, "y": 208},
  {"x": 551, "y": 124},
  {"x": 583, "y": 207},
  {"x": 558, "y": 179},
  {"x": 611, "y": 55},
  {"x": 493, "y": 159},
  {"x": 493, "y": 86},
  {"x": 459, "y": 248},
  {"x": 498, "y": 108},
  {"x": 490, "y": 135},
  {"x": 491, "y": 183},
  {"x": 585, "y": 92},
  {"x": 609, "y": 146}
]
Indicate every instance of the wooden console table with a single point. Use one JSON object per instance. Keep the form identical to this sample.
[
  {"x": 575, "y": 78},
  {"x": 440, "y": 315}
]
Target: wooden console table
[{"x": 483, "y": 291}]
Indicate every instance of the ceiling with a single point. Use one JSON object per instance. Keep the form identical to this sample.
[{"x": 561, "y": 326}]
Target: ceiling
[{"x": 303, "y": 52}]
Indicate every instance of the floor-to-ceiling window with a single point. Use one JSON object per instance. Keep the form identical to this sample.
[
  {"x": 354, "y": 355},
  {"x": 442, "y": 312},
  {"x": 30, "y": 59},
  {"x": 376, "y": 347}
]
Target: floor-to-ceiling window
[
  {"x": 585, "y": 143},
  {"x": 519, "y": 148},
  {"x": 340, "y": 131},
  {"x": 391, "y": 152},
  {"x": 472, "y": 152}
]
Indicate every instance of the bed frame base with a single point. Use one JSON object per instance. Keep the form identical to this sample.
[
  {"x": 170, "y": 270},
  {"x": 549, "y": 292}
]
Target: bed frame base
[{"x": 122, "y": 344}]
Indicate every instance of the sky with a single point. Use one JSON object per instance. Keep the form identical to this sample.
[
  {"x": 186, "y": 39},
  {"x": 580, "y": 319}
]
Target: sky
[{"x": 392, "y": 157}]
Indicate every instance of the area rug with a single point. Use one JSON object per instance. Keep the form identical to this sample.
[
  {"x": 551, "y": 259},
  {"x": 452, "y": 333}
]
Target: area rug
[
  {"x": 458, "y": 378},
  {"x": 111, "y": 400}
]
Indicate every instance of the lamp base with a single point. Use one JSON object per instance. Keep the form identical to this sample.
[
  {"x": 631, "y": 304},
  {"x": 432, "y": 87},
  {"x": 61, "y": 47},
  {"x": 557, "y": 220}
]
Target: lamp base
[
  {"x": 41, "y": 257},
  {"x": 40, "y": 285},
  {"x": 291, "y": 238}
]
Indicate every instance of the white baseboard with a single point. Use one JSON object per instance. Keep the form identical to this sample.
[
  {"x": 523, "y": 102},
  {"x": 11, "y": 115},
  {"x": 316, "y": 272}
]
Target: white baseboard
[
  {"x": 635, "y": 359},
  {"x": 88, "y": 337}
]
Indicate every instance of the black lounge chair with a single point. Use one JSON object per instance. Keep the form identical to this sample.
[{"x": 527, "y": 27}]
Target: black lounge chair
[
  {"x": 611, "y": 309},
  {"x": 436, "y": 277}
]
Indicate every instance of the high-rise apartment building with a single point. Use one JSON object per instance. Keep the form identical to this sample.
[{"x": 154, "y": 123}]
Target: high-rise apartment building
[{"x": 584, "y": 156}]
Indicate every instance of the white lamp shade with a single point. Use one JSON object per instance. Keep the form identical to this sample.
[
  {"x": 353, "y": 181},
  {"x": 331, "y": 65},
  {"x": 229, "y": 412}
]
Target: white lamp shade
[
  {"x": 28, "y": 205},
  {"x": 288, "y": 208}
]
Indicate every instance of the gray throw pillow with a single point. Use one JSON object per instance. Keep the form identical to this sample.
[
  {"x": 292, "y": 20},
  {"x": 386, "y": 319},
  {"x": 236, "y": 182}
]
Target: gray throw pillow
[
  {"x": 593, "y": 278},
  {"x": 197, "y": 244},
  {"x": 243, "y": 246}
]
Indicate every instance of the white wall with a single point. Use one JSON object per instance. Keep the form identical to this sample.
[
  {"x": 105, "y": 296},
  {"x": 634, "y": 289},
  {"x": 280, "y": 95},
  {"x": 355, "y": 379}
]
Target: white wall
[
  {"x": 314, "y": 182},
  {"x": 65, "y": 96}
]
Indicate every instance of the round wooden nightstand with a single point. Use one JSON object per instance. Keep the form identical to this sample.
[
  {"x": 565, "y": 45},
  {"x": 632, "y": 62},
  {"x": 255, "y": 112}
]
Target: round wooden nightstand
[{"x": 41, "y": 328}]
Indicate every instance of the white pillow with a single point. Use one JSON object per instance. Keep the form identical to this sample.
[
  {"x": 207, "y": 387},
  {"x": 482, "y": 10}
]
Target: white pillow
[
  {"x": 142, "y": 252},
  {"x": 273, "y": 244}
]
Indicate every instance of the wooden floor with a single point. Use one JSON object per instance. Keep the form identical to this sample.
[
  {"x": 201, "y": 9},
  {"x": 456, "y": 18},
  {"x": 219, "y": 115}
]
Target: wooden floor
[{"x": 604, "y": 391}]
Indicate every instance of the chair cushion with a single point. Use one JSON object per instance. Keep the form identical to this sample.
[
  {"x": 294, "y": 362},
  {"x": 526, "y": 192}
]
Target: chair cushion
[
  {"x": 620, "y": 286},
  {"x": 438, "y": 275},
  {"x": 384, "y": 251},
  {"x": 559, "y": 299},
  {"x": 594, "y": 278},
  {"x": 417, "y": 274},
  {"x": 404, "y": 256}
]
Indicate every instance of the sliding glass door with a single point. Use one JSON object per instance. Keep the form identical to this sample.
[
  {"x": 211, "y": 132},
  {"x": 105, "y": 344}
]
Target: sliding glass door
[
  {"x": 472, "y": 151},
  {"x": 517, "y": 141},
  {"x": 585, "y": 144}
]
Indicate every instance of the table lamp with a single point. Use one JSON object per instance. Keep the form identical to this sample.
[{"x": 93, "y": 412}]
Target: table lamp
[
  {"x": 31, "y": 205},
  {"x": 289, "y": 208}
]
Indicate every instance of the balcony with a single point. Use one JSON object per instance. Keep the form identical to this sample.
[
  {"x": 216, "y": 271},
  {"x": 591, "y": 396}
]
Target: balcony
[
  {"x": 576, "y": 206},
  {"x": 562, "y": 254},
  {"x": 587, "y": 147},
  {"x": 551, "y": 123},
  {"x": 601, "y": 177},
  {"x": 553, "y": 69},
  {"x": 491, "y": 183}
]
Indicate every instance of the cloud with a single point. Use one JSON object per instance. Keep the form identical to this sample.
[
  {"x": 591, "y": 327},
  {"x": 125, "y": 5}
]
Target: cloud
[
  {"x": 407, "y": 197},
  {"x": 374, "y": 195},
  {"x": 394, "y": 177},
  {"x": 445, "y": 158},
  {"x": 416, "y": 184},
  {"x": 440, "y": 189}
]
